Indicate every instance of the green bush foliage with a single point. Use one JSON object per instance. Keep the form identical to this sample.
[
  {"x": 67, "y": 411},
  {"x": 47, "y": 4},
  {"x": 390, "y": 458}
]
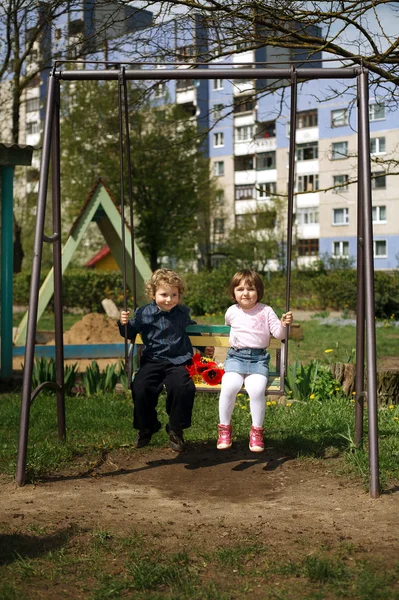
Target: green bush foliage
[{"x": 207, "y": 291}]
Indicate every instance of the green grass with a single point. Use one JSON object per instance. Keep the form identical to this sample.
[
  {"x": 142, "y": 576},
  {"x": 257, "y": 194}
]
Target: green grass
[
  {"x": 102, "y": 423},
  {"x": 46, "y": 321},
  {"x": 98, "y": 565}
]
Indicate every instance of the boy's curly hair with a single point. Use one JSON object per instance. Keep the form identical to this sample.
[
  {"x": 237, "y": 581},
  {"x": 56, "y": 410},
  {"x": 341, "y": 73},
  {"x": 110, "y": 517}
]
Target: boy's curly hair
[{"x": 161, "y": 277}]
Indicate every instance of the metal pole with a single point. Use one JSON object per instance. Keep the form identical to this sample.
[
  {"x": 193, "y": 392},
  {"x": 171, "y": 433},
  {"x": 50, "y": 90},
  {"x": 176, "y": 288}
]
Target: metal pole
[
  {"x": 7, "y": 254},
  {"x": 129, "y": 174},
  {"x": 363, "y": 118},
  {"x": 34, "y": 287},
  {"x": 209, "y": 73},
  {"x": 57, "y": 261},
  {"x": 359, "y": 388},
  {"x": 121, "y": 79},
  {"x": 291, "y": 180}
]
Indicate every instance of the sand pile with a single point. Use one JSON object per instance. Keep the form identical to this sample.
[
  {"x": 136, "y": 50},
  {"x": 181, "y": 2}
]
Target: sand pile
[{"x": 93, "y": 328}]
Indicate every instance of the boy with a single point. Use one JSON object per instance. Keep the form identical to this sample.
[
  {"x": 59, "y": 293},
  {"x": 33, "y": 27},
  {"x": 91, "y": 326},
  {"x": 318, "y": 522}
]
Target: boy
[{"x": 162, "y": 324}]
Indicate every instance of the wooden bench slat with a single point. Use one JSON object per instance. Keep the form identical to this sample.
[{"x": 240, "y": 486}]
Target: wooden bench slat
[{"x": 218, "y": 337}]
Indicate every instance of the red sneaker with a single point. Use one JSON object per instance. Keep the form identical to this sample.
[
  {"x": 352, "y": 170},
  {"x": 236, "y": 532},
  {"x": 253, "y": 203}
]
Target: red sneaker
[
  {"x": 224, "y": 437},
  {"x": 256, "y": 443}
]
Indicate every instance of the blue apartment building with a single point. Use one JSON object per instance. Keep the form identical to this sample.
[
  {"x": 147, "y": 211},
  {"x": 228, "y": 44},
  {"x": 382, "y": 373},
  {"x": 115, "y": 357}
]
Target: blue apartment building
[{"x": 248, "y": 134}]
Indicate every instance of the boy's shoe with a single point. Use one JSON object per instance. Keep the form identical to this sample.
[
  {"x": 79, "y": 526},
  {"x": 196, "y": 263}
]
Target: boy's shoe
[
  {"x": 256, "y": 443},
  {"x": 224, "y": 437},
  {"x": 176, "y": 440},
  {"x": 144, "y": 436}
]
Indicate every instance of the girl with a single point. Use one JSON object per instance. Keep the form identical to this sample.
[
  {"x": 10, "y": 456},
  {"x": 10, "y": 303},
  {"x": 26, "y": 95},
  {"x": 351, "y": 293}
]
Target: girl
[{"x": 247, "y": 361}]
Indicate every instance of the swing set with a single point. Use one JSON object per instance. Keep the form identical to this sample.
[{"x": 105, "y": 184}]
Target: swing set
[{"x": 200, "y": 334}]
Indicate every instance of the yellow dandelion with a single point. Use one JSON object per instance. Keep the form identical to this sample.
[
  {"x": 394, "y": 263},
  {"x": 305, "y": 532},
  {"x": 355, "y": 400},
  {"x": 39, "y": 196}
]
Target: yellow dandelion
[
  {"x": 353, "y": 393},
  {"x": 268, "y": 403},
  {"x": 391, "y": 407},
  {"x": 337, "y": 389},
  {"x": 396, "y": 418},
  {"x": 240, "y": 395},
  {"x": 328, "y": 350},
  {"x": 289, "y": 404},
  {"x": 244, "y": 407},
  {"x": 352, "y": 401},
  {"x": 331, "y": 392},
  {"x": 311, "y": 396},
  {"x": 274, "y": 402}
]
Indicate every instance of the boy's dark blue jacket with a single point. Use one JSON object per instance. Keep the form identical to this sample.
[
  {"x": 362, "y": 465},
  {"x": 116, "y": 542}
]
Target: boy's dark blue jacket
[{"x": 163, "y": 333}]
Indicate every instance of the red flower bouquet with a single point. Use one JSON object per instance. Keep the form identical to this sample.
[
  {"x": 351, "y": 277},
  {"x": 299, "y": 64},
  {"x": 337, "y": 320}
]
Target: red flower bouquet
[{"x": 205, "y": 369}]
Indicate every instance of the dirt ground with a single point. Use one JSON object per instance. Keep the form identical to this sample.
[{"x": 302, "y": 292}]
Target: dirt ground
[{"x": 212, "y": 497}]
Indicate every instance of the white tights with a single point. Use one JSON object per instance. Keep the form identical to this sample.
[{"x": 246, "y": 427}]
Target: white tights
[{"x": 254, "y": 384}]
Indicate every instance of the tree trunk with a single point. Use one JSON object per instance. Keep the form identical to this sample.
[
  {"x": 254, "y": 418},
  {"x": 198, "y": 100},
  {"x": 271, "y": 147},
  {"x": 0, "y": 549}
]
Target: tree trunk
[{"x": 387, "y": 382}]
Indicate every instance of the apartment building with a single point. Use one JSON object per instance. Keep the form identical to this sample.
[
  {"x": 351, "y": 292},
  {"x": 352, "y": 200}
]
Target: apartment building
[{"x": 248, "y": 141}]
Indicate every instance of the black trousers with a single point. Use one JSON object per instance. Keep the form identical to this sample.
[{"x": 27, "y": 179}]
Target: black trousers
[{"x": 148, "y": 384}]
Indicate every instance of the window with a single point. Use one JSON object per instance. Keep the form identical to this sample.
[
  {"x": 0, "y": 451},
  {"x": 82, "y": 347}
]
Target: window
[
  {"x": 339, "y": 150},
  {"x": 379, "y": 214},
  {"x": 306, "y": 118},
  {"x": 307, "y": 216},
  {"x": 217, "y": 84},
  {"x": 265, "y": 130},
  {"x": 243, "y": 104},
  {"x": 339, "y": 117},
  {"x": 241, "y": 221},
  {"x": 244, "y": 134},
  {"x": 218, "y": 225},
  {"x": 308, "y": 183},
  {"x": 266, "y": 190},
  {"x": 376, "y": 112},
  {"x": 340, "y": 248},
  {"x": 219, "y": 197},
  {"x": 380, "y": 248},
  {"x": 218, "y": 140},
  {"x": 244, "y": 163},
  {"x": 377, "y": 145},
  {"x": 184, "y": 84},
  {"x": 217, "y": 110},
  {"x": 340, "y": 183},
  {"x": 185, "y": 53},
  {"x": 378, "y": 180},
  {"x": 218, "y": 168},
  {"x": 307, "y": 151},
  {"x": 32, "y": 104},
  {"x": 308, "y": 247},
  {"x": 245, "y": 192},
  {"x": 33, "y": 127},
  {"x": 160, "y": 90},
  {"x": 340, "y": 216},
  {"x": 266, "y": 219},
  {"x": 265, "y": 161}
]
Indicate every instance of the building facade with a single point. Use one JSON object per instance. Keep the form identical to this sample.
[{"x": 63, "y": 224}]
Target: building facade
[{"x": 247, "y": 141}]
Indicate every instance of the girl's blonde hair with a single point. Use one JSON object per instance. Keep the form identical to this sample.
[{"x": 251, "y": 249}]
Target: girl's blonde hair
[
  {"x": 164, "y": 277},
  {"x": 249, "y": 277}
]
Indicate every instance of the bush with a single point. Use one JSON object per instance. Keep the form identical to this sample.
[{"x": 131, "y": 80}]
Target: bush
[{"x": 207, "y": 291}]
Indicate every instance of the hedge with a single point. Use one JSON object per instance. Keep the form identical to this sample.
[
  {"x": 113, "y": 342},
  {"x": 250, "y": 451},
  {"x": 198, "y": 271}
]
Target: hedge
[{"x": 207, "y": 291}]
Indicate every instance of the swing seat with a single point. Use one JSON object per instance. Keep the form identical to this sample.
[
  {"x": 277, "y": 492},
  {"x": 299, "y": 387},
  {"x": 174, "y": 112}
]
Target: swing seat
[{"x": 218, "y": 337}]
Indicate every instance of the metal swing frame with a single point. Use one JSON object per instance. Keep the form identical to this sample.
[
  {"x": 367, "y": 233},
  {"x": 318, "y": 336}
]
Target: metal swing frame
[{"x": 365, "y": 317}]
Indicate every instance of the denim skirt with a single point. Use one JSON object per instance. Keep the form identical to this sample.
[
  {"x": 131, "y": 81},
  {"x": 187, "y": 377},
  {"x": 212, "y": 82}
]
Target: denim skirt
[{"x": 247, "y": 361}]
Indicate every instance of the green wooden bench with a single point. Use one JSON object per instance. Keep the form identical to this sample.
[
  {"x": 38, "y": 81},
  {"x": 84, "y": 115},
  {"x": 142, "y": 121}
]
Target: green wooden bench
[{"x": 218, "y": 337}]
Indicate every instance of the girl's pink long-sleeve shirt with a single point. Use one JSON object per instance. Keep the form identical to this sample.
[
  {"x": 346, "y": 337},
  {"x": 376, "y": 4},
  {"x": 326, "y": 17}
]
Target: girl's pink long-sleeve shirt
[{"x": 253, "y": 328}]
